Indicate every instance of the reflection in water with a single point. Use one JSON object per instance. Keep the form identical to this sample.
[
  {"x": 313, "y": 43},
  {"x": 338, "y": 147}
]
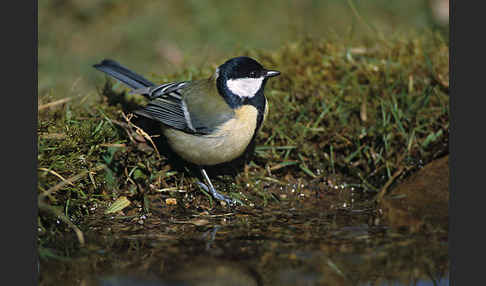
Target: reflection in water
[
  {"x": 440, "y": 282},
  {"x": 338, "y": 238}
]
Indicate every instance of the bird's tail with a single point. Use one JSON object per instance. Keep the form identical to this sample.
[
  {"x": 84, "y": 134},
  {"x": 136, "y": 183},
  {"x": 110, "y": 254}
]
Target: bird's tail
[{"x": 121, "y": 73}]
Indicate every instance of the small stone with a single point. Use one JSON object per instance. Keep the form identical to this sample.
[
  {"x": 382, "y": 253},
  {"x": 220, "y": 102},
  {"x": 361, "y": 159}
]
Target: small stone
[{"x": 171, "y": 201}]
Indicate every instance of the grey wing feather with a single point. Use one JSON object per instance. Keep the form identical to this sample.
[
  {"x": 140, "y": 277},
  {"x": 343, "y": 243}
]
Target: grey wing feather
[
  {"x": 161, "y": 90},
  {"x": 167, "y": 106}
]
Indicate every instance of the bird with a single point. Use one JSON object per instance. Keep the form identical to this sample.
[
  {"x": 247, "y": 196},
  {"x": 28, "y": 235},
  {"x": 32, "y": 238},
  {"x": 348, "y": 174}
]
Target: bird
[{"x": 208, "y": 121}]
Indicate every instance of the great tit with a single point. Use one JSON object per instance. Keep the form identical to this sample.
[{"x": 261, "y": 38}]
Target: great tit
[{"x": 206, "y": 122}]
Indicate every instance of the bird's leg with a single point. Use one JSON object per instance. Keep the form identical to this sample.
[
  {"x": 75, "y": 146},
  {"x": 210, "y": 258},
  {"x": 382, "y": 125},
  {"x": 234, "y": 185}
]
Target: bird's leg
[{"x": 210, "y": 189}]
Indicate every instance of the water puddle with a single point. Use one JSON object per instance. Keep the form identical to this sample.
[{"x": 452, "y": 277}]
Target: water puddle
[{"x": 333, "y": 238}]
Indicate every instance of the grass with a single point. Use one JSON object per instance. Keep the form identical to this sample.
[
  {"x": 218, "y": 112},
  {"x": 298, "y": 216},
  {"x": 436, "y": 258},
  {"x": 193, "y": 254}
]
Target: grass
[{"x": 371, "y": 111}]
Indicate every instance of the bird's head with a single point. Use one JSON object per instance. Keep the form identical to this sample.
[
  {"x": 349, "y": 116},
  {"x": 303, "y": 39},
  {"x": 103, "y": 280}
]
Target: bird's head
[{"x": 242, "y": 79}]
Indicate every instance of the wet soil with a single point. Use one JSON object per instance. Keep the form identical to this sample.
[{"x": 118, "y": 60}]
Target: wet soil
[
  {"x": 422, "y": 200},
  {"x": 312, "y": 236}
]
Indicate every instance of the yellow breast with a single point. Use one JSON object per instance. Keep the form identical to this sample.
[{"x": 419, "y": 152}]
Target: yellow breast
[{"x": 227, "y": 143}]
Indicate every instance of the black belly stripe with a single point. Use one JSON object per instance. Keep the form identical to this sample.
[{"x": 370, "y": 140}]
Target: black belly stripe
[{"x": 259, "y": 102}]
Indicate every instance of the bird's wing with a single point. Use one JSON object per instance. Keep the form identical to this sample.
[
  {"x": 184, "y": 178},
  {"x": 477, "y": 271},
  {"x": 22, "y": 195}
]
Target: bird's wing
[
  {"x": 167, "y": 106},
  {"x": 172, "y": 105},
  {"x": 165, "y": 89}
]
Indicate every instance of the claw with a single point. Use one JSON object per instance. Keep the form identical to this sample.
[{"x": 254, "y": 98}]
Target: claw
[{"x": 216, "y": 195}]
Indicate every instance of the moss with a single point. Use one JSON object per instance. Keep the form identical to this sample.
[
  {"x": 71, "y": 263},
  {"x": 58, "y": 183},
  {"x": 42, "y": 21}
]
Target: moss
[{"x": 361, "y": 110}]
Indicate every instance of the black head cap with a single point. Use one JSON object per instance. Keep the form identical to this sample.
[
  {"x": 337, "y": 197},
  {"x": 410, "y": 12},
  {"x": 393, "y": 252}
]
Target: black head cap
[{"x": 244, "y": 67}]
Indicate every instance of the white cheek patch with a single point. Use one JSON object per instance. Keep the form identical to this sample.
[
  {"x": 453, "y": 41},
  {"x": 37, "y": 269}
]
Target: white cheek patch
[{"x": 245, "y": 87}]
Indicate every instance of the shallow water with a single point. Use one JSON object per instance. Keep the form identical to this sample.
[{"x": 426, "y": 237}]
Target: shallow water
[{"x": 308, "y": 238}]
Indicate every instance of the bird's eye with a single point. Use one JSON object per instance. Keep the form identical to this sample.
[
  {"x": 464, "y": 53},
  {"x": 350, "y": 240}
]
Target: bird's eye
[{"x": 252, "y": 74}]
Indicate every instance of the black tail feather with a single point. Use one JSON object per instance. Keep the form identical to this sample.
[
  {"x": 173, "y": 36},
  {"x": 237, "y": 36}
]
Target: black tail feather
[{"x": 123, "y": 74}]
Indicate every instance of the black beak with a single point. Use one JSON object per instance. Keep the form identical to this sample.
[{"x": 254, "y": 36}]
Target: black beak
[{"x": 270, "y": 73}]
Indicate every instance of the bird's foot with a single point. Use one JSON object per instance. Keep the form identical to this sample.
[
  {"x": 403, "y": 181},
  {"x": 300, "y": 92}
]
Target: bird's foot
[{"x": 220, "y": 197}]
